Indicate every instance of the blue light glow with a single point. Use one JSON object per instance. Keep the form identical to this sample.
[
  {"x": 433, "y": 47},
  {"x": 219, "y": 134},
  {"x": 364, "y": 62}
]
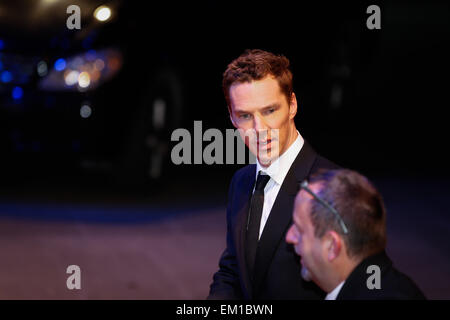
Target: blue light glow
[
  {"x": 91, "y": 55},
  {"x": 87, "y": 42},
  {"x": 17, "y": 93},
  {"x": 2, "y": 44},
  {"x": 60, "y": 64},
  {"x": 6, "y": 76}
]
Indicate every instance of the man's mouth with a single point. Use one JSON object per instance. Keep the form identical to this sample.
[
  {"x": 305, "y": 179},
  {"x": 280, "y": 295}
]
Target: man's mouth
[{"x": 265, "y": 143}]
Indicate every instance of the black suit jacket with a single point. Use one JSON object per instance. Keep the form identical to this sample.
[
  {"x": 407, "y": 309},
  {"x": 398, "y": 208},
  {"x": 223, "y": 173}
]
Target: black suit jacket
[
  {"x": 394, "y": 284},
  {"x": 277, "y": 268}
]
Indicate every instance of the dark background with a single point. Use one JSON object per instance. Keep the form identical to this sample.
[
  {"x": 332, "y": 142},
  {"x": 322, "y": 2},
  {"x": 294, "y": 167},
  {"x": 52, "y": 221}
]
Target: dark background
[{"x": 370, "y": 100}]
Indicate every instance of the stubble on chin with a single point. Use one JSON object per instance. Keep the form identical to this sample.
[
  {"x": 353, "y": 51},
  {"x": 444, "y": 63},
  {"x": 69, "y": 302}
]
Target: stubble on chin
[{"x": 306, "y": 275}]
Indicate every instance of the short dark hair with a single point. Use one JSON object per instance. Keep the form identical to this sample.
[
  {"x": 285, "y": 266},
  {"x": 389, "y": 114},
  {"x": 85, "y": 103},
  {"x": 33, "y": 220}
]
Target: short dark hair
[
  {"x": 360, "y": 205},
  {"x": 256, "y": 64}
]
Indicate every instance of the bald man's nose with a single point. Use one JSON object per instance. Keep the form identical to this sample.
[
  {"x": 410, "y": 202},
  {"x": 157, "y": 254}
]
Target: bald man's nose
[{"x": 290, "y": 236}]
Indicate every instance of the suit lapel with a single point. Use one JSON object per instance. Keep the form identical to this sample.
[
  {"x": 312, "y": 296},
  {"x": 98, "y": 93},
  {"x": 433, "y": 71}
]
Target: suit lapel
[
  {"x": 281, "y": 214},
  {"x": 243, "y": 203}
]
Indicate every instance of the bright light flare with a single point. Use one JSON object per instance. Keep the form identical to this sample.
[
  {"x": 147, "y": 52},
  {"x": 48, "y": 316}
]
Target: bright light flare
[
  {"x": 102, "y": 13},
  {"x": 84, "y": 80},
  {"x": 71, "y": 77},
  {"x": 85, "y": 111}
]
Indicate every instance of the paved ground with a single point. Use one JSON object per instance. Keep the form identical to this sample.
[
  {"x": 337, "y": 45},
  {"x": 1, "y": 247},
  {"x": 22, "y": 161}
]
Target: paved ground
[
  {"x": 170, "y": 250},
  {"x": 168, "y": 258}
]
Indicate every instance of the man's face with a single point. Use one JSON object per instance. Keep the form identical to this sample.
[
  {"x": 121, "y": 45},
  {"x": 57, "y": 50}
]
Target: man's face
[
  {"x": 307, "y": 245},
  {"x": 264, "y": 115}
]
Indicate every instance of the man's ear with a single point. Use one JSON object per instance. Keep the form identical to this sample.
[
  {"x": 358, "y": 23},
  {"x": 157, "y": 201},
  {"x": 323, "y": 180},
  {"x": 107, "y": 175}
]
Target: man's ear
[
  {"x": 293, "y": 106},
  {"x": 334, "y": 245}
]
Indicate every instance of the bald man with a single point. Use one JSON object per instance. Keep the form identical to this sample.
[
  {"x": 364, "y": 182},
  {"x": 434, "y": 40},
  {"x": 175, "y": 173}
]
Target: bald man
[{"x": 339, "y": 231}]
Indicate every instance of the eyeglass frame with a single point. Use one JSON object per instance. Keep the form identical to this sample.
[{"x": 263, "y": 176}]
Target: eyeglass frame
[{"x": 304, "y": 186}]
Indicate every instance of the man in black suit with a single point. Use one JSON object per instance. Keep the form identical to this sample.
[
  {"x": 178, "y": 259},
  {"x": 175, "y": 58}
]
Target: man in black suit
[
  {"x": 339, "y": 231},
  {"x": 257, "y": 263}
]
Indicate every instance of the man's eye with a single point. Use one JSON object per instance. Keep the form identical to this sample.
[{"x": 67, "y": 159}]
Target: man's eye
[
  {"x": 269, "y": 111},
  {"x": 244, "y": 116}
]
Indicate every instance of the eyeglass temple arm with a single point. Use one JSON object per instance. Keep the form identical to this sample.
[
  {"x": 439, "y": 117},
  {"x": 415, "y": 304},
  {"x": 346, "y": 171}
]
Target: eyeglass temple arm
[{"x": 304, "y": 185}]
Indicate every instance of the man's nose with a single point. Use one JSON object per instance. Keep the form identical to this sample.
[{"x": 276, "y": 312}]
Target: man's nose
[{"x": 259, "y": 124}]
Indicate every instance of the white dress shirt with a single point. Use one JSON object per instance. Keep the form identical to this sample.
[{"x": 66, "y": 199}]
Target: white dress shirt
[
  {"x": 333, "y": 294},
  {"x": 277, "y": 172}
]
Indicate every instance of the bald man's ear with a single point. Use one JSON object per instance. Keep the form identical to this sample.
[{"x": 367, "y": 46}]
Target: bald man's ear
[{"x": 334, "y": 245}]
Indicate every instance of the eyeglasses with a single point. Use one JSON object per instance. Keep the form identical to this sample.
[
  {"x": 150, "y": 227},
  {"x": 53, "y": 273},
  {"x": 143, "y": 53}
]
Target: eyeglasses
[{"x": 304, "y": 186}]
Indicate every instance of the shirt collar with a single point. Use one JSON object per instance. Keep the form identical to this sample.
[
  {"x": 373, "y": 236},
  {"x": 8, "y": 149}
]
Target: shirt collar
[
  {"x": 280, "y": 167},
  {"x": 334, "y": 293}
]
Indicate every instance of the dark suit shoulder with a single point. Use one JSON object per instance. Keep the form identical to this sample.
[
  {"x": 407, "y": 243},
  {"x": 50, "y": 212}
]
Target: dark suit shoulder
[
  {"x": 404, "y": 286},
  {"x": 318, "y": 162},
  {"x": 244, "y": 172},
  {"x": 394, "y": 285},
  {"x": 315, "y": 162},
  {"x": 323, "y": 163}
]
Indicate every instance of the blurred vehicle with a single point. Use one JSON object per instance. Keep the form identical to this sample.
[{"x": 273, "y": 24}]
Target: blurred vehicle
[{"x": 87, "y": 100}]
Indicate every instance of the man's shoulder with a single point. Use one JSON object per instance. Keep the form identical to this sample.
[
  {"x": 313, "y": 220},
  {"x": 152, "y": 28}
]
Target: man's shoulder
[
  {"x": 393, "y": 284},
  {"x": 318, "y": 162},
  {"x": 401, "y": 286},
  {"x": 313, "y": 160},
  {"x": 324, "y": 163},
  {"x": 244, "y": 172}
]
